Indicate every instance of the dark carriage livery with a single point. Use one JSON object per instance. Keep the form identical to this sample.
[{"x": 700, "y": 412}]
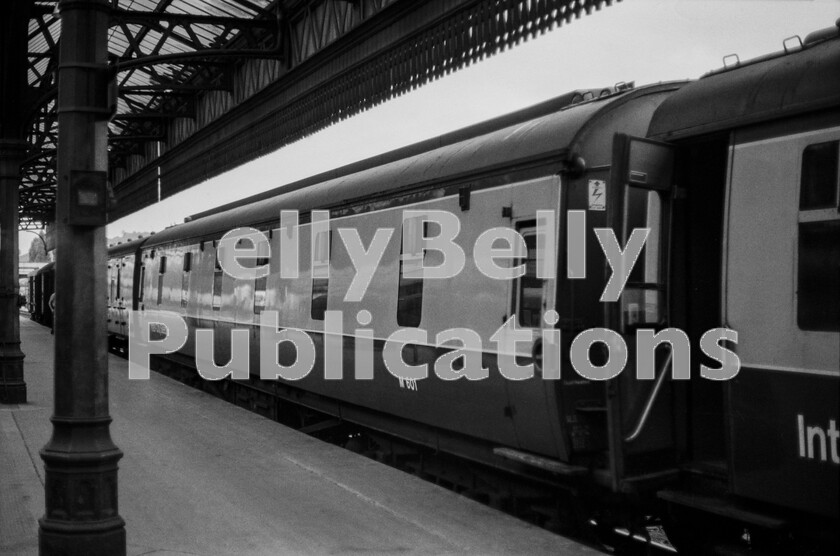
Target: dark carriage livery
[{"x": 41, "y": 287}]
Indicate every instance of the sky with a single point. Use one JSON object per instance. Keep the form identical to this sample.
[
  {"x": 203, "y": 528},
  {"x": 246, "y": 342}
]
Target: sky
[{"x": 645, "y": 41}]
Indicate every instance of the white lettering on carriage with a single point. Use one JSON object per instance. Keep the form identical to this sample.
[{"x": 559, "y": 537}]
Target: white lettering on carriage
[{"x": 816, "y": 439}]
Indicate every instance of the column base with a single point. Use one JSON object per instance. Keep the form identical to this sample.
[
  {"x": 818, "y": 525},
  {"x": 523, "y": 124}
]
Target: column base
[
  {"x": 12, "y": 386},
  {"x": 80, "y": 487},
  {"x": 12, "y": 393},
  {"x": 60, "y": 538}
]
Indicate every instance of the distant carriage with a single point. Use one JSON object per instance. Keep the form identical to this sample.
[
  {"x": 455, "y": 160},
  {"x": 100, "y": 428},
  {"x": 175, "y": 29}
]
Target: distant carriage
[{"x": 41, "y": 287}]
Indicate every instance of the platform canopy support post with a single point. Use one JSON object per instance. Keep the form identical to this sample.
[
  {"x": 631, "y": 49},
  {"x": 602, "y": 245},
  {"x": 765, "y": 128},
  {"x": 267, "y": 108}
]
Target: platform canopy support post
[
  {"x": 14, "y": 26},
  {"x": 80, "y": 460},
  {"x": 12, "y": 385}
]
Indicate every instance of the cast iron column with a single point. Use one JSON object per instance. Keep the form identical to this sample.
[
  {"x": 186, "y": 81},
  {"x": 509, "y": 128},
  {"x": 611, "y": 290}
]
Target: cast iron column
[
  {"x": 14, "y": 26},
  {"x": 80, "y": 460},
  {"x": 12, "y": 386}
]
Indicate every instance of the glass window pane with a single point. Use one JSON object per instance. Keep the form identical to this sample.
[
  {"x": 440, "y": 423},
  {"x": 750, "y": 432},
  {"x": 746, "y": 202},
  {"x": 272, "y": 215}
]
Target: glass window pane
[
  {"x": 410, "y": 295},
  {"x": 530, "y": 289},
  {"x": 217, "y": 289},
  {"x": 644, "y": 210},
  {"x": 185, "y": 285},
  {"x": 642, "y": 306},
  {"x": 410, "y": 302},
  {"x": 818, "y": 188},
  {"x": 161, "y": 272},
  {"x": 322, "y": 252},
  {"x": 819, "y": 276},
  {"x": 320, "y": 289},
  {"x": 259, "y": 294}
]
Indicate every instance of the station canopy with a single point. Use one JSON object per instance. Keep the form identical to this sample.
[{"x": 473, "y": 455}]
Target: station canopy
[
  {"x": 201, "y": 86},
  {"x": 143, "y": 34}
]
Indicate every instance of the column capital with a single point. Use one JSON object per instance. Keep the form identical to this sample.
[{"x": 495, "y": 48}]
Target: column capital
[{"x": 12, "y": 153}]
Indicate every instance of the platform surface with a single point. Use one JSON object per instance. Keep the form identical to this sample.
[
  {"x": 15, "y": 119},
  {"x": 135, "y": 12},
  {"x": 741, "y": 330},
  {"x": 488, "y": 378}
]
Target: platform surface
[{"x": 203, "y": 477}]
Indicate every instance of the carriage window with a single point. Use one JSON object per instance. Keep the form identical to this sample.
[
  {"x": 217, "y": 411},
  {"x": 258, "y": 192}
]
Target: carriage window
[
  {"x": 259, "y": 294},
  {"x": 185, "y": 279},
  {"x": 161, "y": 272},
  {"x": 260, "y": 286},
  {"x": 818, "y": 188},
  {"x": 321, "y": 253},
  {"x": 142, "y": 283},
  {"x": 217, "y": 286},
  {"x": 818, "y": 272},
  {"x": 643, "y": 299},
  {"x": 118, "y": 293},
  {"x": 529, "y": 288},
  {"x": 410, "y": 295},
  {"x": 644, "y": 210},
  {"x": 819, "y": 276},
  {"x": 261, "y": 260}
]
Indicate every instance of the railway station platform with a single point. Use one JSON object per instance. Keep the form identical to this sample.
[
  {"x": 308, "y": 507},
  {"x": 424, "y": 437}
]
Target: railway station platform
[{"x": 204, "y": 477}]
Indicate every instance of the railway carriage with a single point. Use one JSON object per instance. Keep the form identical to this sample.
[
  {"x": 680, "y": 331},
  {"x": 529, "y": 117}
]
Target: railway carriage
[
  {"x": 123, "y": 274},
  {"x": 498, "y": 175},
  {"x": 758, "y": 237},
  {"x": 41, "y": 287},
  {"x": 30, "y": 293},
  {"x": 735, "y": 177}
]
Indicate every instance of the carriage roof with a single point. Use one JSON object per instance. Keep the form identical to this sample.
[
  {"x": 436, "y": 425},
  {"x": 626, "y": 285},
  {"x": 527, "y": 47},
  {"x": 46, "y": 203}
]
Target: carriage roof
[
  {"x": 540, "y": 134},
  {"x": 767, "y": 88}
]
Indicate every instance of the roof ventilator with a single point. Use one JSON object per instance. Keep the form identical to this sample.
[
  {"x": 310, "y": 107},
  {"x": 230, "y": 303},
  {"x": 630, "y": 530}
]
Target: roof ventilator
[
  {"x": 792, "y": 47},
  {"x": 728, "y": 61}
]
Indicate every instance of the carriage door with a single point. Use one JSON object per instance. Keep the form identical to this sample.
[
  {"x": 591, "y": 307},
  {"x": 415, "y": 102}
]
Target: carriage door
[
  {"x": 119, "y": 301},
  {"x": 641, "y": 424},
  {"x": 113, "y": 294},
  {"x": 531, "y": 296}
]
